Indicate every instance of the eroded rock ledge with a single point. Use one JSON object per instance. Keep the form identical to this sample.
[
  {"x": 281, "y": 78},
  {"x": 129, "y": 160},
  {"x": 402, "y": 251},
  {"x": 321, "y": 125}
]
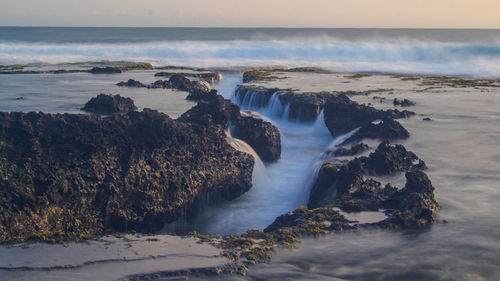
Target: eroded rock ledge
[{"x": 86, "y": 174}]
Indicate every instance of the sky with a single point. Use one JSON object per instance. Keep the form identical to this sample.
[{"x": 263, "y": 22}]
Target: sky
[{"x": 253, "y": 13}]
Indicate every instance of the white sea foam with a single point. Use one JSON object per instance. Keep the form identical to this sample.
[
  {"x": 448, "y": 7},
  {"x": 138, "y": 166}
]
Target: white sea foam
[{"x": 398, "y": 56}]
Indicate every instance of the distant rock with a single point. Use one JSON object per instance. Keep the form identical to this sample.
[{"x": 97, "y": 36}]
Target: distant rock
[
  {"x": 403, "y": 103},
  {"x": 209, "y": 77},
  {"x": 427, "y": 119},
  {"x": 198, "y": 90},
  {"x": 109, "y": 104},
  {"x": 105, "y": 70},
  {"x": 131, "y": 83}
]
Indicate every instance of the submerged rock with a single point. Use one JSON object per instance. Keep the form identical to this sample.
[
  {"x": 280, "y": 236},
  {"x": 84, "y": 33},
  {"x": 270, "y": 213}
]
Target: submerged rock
[
  {"x": 105, "y": 70},
  {"x": 109, "y": 104},
  {"x": 86, "y": 174}
]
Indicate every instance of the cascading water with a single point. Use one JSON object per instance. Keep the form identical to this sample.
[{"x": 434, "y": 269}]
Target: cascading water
[
  {"x": 278, "y": 187},
  {"x": 259, "y": 174}
]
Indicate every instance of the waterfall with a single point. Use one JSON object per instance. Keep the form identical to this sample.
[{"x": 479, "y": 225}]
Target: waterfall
[
  {"x": 322, "y": 157},
  {"x": 259, "y": 174}
]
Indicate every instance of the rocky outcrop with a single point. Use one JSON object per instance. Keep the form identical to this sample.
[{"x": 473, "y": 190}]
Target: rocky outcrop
[
  {"x": 197, "y": 90},
  {"x": 343, "y": 115},
  {"x": 132, "y": 83},
  {"x": 109, "y": 104},
  {"x": 209, "y": 77},
  {"x": 403, "y": 102},
  {"x": 261, "y": 135},
  {"x": 346, "y": 186},
  {"x": 105, "y": 70},
  {"x": 387, "y": 129},
  {"x": 390, "y": 159},
  {"x": 86, "y": 174}
]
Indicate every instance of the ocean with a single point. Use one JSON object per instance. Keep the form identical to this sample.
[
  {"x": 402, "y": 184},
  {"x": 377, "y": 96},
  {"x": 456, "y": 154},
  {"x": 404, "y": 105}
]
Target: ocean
[
  {"x": 418, "y": 51},
  {"x": 460, "y": 146}
]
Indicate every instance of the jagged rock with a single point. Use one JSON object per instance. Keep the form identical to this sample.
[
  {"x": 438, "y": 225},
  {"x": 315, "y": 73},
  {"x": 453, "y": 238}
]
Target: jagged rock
[
  {"x": 343, "y": 115},
  {"x": 414, "y": 206},
  {"x": 109, "y": 104},
  {"x": 89, "y": 174},
  {"x": 346, "y": 187},
  {"x": 105, "y": 70},
  {"x": 353, "y": 150},
  {"x": 261, "y": 135},
  {"x": 389, "y": 159},
  {"x": 131, "y": 83},
  {"x": 387, "y": 129},
  {"x": 216, "y": 110},
  {"x": 403, "y": 103}
]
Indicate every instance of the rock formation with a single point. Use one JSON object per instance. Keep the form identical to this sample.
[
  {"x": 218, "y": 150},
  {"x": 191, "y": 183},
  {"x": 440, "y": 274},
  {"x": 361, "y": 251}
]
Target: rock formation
[
  {"x": 86, "y": 174},
  {"x": 109, "y": 104}
]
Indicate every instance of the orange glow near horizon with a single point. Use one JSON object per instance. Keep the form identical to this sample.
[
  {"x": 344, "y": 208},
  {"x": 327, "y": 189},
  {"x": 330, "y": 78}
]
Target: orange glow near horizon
[{"x": 255, "y": 13}]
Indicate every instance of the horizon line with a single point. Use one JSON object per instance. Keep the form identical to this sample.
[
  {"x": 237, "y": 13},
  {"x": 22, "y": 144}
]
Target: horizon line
[{"x": 249, "y": 27}]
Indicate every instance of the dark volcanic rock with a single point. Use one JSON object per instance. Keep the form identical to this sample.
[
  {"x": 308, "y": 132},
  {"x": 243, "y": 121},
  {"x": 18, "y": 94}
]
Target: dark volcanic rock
[
  {"x": 216, "y": 110},
  {"x": 387, "y": 129},
  {"x": 131, "y": 83},
  {"x": 304, "y": 221},
  {"x": 345, "y": 186},
  {"x": 414, "y": 206},
  {"x": 353, "y": 150},
  {"x": 109, "y": 104},
  {"x": 427, "y": 119},
  {"x": 403, "y": 103},
  {"x": 197, "y": 90},
  {"x": 261, "y": 135},
  {"x": 390, "y": 159},
  {"x": 343, "y": 115},
  {"x": 210, "y": 77},
  {"x": 87, "y": 174},
  {"x": 105, "y": 70}
]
